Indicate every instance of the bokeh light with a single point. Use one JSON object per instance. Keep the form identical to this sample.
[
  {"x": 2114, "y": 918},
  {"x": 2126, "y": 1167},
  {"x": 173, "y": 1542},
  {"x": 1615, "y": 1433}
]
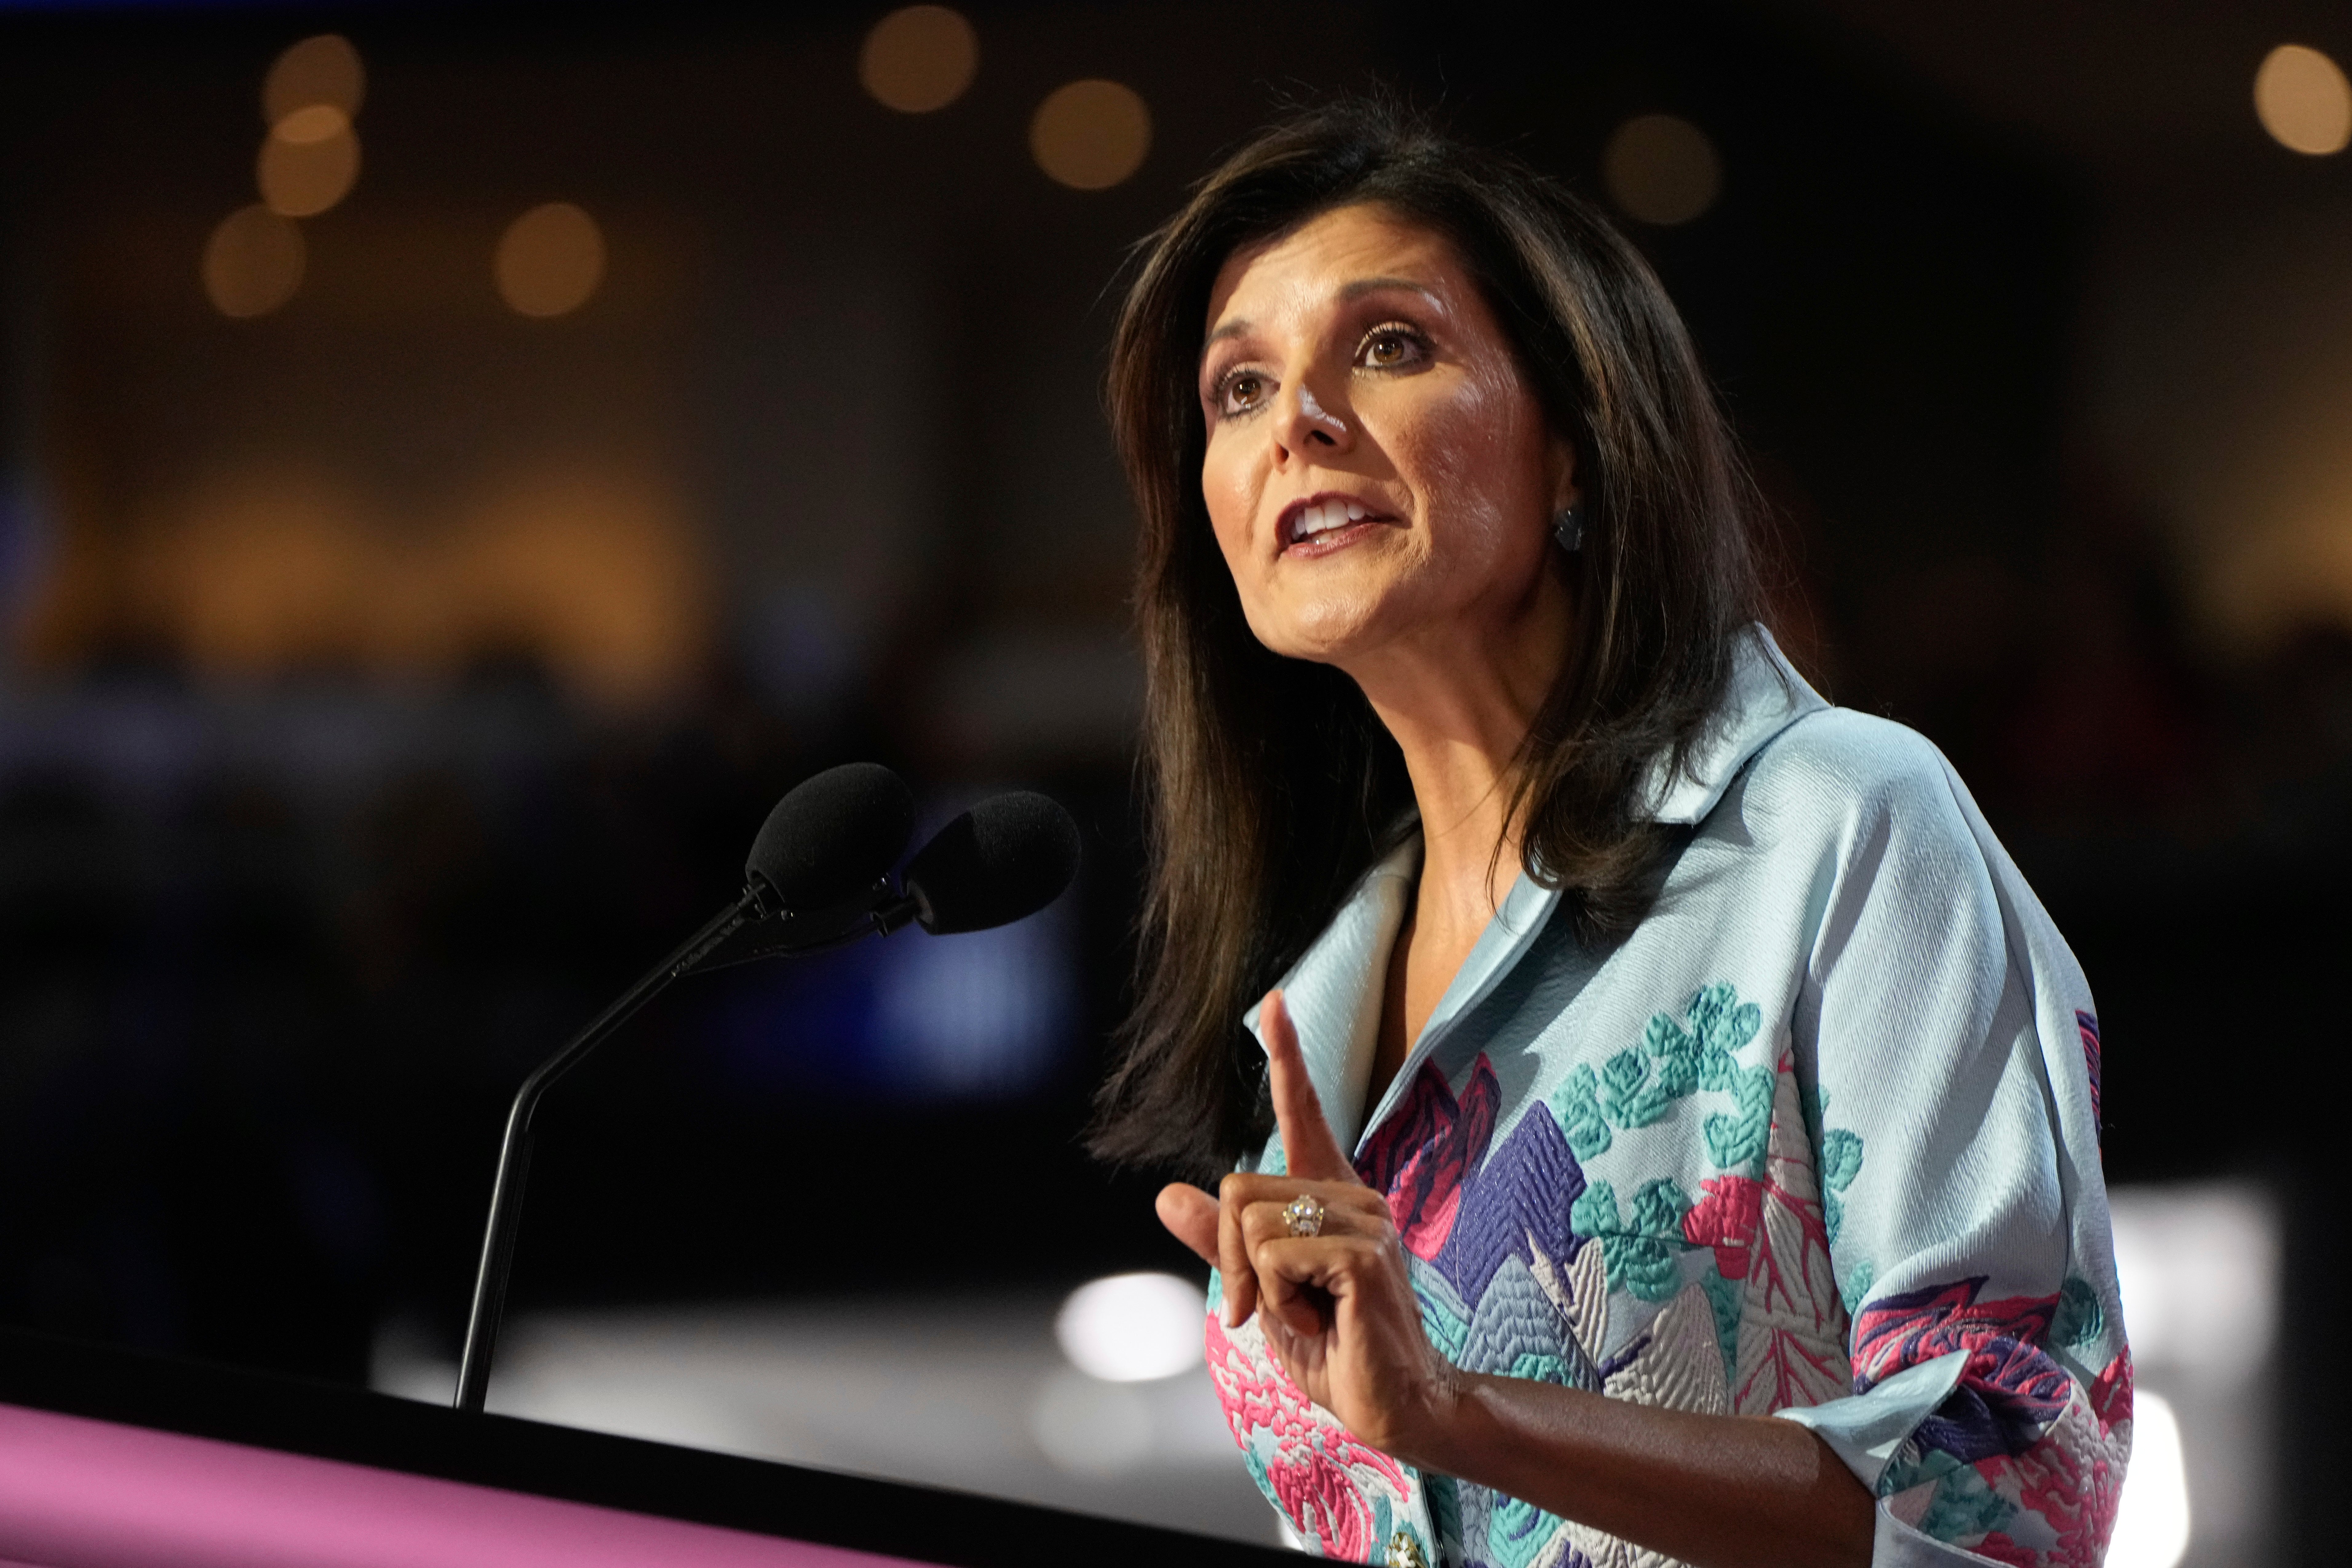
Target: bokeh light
[
  {"x": 253, "y": 263},
  {"x": 321, "y": 70},
  {"x": 2303, "y": 100},
  {"x": 1132, "y": 1328},
  {"x": 309, "y": 160},
  {"x": 592, "y": 566},
  {"x": 920, "y": 58},
  {"x": 550, "y": 260},
  {"x": 1091, "y": 134},
  {"x": 2152, "y": 1520},
  {"x": 1660, "y": 169}
]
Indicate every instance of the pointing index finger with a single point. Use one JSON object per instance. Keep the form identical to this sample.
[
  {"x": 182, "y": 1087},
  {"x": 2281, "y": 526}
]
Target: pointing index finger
[{"x": 1309, "y": 1151}]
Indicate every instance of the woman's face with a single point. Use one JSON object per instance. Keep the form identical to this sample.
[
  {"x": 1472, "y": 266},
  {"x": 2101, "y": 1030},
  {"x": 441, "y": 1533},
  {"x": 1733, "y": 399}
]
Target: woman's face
[{"x": 1380, "y": 474}]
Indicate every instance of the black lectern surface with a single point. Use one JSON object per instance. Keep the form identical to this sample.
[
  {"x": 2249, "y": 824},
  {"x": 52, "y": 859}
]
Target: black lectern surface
[{"x": 402, "y": 1438}]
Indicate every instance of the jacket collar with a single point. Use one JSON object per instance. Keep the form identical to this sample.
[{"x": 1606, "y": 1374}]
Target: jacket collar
[
  {"x": 1338, "y": 986},
  {"x": 1767, "y": 695}
]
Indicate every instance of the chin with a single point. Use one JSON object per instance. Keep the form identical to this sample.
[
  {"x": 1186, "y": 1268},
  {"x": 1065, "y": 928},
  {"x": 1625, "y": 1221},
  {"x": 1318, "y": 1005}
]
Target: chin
[
  {"x": 1333, "y": 621},
  {"x": 1325, "y": 638}
]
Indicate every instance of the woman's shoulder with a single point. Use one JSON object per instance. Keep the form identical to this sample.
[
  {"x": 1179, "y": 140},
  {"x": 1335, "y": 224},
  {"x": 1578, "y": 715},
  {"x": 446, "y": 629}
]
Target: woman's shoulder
[{"x": 1835, "y": 765}]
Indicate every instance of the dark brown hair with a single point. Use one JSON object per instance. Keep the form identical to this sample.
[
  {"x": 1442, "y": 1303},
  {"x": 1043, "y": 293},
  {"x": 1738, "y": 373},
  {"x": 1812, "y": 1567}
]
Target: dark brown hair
[{"x": 1272, "y": 787}]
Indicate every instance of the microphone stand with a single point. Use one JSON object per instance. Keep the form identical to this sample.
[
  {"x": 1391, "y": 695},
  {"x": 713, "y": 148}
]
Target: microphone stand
[{"x": 514, "y": 1156}]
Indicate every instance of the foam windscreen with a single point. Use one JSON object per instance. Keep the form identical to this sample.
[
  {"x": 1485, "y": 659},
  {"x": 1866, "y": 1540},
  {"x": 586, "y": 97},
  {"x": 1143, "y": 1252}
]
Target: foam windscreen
[
  {"x": 1005, "y": 858},
  {"x": 827, "y": 840}
]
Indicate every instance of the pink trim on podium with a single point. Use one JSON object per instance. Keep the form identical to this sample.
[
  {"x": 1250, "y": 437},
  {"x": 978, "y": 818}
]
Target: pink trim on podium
[{"x": 77, "y": 1493}]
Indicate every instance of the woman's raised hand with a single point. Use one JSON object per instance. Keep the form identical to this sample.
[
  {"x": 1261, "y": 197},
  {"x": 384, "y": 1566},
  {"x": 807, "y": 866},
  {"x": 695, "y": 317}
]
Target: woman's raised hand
[{"x": 1336, "y": 1308}]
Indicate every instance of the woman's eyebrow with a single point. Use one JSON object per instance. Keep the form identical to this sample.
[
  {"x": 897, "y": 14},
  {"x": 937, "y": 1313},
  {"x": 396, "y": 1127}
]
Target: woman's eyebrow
[
  {"x": 1232, "y": 329},
  {"x": 1348, "y": 293}
]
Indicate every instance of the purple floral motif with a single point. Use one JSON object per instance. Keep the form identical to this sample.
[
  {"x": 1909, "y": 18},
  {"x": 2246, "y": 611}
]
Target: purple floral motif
[
  {"x": 1456, "y": 1207},
  {"x": 1525, "y": 1188},
  {"x": 2008, "y": 1391}
]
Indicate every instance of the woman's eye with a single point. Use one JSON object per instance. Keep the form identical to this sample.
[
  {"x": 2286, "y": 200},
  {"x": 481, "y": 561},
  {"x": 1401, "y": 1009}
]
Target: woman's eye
[
  {"x": 1240, "y": 391},
  {"x": 1390, "y": 348}
]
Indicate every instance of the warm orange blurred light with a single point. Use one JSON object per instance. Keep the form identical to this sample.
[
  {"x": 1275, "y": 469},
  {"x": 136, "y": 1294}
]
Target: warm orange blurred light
[
  {"x": 591, "y": 567},
  {"x": 253, "y": 263},
  {"x": 1091, "y": 134},
  {"x": 2303, "y": 100},
  {"x": 251, "y": 581},
  {"x": 596, "y": 571},
  {"x": 319, "y": 122},
  {"x": 321, "y": 70},
  {"x": 308, "y": 162},
  {"x": 550, "y": 260},
  {"x": 918, "y": 59},
  {"x": 1660, "y": 169}
]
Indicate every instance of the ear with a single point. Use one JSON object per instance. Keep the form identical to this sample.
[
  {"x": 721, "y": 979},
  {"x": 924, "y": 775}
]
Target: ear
[{"x": 1565, "y": 490}]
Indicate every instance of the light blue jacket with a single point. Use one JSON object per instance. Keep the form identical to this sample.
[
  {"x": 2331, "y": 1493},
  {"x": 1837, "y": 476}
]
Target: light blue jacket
[{"x": 1818, "y": 1139}]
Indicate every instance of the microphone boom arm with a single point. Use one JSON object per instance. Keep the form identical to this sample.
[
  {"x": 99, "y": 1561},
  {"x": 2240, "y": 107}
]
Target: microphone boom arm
[
  {"x": 514, "y": 1153},
  {"x": 1004, "y": 859}
]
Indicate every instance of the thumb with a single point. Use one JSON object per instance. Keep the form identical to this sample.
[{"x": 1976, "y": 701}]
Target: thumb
[
  {"x": 1309, "y": 1151},
  {"x": 1191, "y": 1216}
]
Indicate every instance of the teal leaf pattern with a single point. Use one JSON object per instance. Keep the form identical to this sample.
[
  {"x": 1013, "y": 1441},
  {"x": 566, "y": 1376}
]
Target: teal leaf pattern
[
  {"x": 1640, "y": 1256},
  {"x": 1577, "y": 1103},
  {"x": 1912, "y": 1466},
  {"x": 1840, "y": 1158},
  {"x": 2080, "y": 1319},
  {"x": 1516, "y": 1533},
  {"x": 1736, "y": 1141},
  {"x": 1634, "y": 1093},
  {"x": 1723, "y": 1296},
  {"x": 1537, "y": 1367},
  {"x": 1675, "y": 1051},
  {"x": 1841, "y": 1163},
  {"x": 1594, "y": 1212},
  {"x": 1658, "y": 1209},
  {"x": 1641, "y": 1265},
  {"x": 1964, "y": 1508},
  {"x": 1724, "y": 1024},
  {"x": 1673, "y": 1060}
]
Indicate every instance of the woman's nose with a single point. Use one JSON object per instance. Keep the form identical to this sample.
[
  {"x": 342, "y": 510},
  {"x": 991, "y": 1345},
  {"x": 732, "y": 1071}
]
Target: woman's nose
[{"x": 1307, "y": 427}]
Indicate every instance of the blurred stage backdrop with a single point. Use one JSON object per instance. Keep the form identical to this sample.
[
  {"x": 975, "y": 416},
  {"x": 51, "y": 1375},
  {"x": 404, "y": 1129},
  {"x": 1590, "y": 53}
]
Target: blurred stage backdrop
[{"x": 460, "y": 463}]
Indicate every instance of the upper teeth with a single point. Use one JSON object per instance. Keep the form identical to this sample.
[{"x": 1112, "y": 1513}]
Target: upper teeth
[{"x": 1325, "y": 515}]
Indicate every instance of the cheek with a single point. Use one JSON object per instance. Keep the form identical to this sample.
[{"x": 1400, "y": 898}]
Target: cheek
[
  {"x": 1231, "y": 497},
  {"x": 1479, "y": 459}
]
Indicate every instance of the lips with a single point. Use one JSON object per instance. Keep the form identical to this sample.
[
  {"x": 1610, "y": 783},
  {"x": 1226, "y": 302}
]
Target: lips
[{"x": 1323, "y": 520}]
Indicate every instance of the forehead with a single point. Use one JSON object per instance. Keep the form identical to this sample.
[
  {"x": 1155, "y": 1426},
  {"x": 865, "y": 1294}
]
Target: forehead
[{"x": 1313, "y": 264}]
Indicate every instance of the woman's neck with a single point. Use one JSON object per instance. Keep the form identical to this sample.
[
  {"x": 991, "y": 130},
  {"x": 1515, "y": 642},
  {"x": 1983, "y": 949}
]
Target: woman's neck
[
  {"x": 1459, "y": 707},
  {"x": 1460, "y": 711},
  {"x": 1463, "y": 784}
]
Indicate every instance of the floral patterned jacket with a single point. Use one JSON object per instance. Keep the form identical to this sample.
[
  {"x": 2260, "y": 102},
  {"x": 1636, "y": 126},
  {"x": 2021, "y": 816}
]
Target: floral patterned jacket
[{"x": 1818, "y": 1140}]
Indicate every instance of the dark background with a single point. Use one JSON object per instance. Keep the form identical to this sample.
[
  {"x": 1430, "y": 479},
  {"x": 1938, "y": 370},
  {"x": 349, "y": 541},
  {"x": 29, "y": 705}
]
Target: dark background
[{"x": 2033, "y": 334}]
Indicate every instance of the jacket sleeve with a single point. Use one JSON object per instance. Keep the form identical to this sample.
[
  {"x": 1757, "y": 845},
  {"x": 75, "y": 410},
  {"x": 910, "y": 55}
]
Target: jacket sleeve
[{"x": 1948, "y": 1052}]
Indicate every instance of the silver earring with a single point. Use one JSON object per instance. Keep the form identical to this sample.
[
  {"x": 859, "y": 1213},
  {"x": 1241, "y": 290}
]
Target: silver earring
[{"x": 1568, "y": 528}]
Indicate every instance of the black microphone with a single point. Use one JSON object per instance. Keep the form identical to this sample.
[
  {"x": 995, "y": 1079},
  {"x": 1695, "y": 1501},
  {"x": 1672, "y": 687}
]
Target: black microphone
[
  {"x": 832, "y": 837},
  {"x": 1002, "y": 861},
  {"x": 829, "y": 842}
]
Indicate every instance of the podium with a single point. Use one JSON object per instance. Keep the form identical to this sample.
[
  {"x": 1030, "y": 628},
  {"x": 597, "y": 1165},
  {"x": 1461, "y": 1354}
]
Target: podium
[{"x": 114, "y": 1459}]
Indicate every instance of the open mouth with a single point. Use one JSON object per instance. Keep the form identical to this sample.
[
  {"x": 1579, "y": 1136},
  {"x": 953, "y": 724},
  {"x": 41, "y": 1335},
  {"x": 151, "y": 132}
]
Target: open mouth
[{"x": 1324, "y": 522}]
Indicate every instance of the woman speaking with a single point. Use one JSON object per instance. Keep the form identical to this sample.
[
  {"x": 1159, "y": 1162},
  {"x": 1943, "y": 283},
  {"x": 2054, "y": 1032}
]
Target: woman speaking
[{"x": 1671, "y": 1129}]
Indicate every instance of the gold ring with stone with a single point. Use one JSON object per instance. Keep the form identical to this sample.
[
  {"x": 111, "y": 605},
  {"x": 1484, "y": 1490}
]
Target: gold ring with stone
[{"x": 1304, "y": 1214}]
